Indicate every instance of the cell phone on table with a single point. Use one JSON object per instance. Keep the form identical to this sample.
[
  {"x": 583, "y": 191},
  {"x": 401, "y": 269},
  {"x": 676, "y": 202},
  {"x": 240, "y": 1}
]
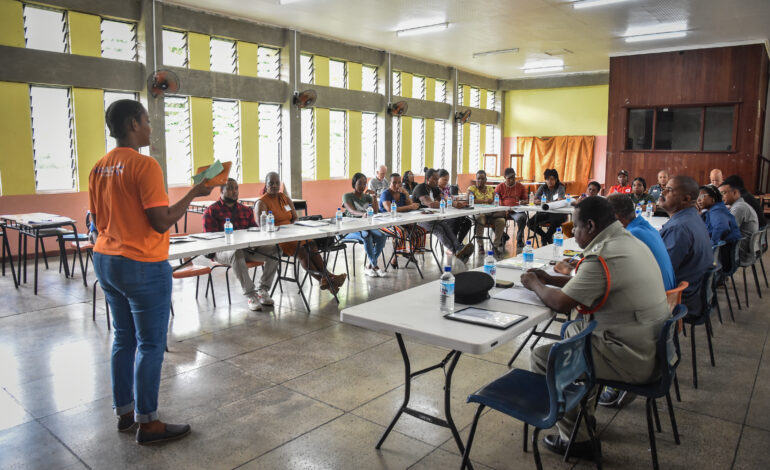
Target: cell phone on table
[{"x": 503, "y": 284}]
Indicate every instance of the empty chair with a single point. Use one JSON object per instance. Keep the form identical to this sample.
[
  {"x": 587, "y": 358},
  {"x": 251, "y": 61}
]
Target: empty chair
[
  {"x": 753, "y": 254},
  {"x": 702, "y": 318}
]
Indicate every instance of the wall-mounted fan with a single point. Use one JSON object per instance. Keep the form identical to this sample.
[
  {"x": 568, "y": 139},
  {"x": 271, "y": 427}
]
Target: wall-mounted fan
[
  {"x": 304, "y": 99},
  {"x": 398, "y": 109},
  {"x": 162, "y": 82},
  {"x": 462, "y": 116}
]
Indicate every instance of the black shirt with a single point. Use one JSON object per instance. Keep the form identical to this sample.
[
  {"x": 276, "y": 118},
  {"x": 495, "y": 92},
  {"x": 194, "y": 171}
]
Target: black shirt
[{"x": 423, "y": 189}]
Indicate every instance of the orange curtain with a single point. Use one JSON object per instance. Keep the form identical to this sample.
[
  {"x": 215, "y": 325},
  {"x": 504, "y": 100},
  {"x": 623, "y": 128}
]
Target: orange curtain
[{"x": 571, "y": 155}]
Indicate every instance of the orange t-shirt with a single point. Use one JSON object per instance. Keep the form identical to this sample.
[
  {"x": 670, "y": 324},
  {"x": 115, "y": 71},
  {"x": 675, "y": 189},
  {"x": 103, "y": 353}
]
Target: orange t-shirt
[{"x": 121, "y": 186}]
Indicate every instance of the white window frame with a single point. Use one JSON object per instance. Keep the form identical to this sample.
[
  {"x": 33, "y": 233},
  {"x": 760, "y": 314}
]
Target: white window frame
[
  {"x": 178, "y": 149},
  {"x": 474, "y": 152},
  {"x": 269, "y": 62},
  {"x": 338, "y": 81},
  {"x": 492, "y": 100},
  {"x": 442, "y": 143},
  {"x": 338, "y": 166},
  {"x": 369, "y": 131},
  {"x": 418, "y": 145},
  {"x": 131, "y": 53},
  {"x": 418, "y": 87},
  {"x": 369, "y": 79},
  {"x": 269, "y": 140},
  {"x": 229, "y": 64},
  {"x": 169, "y": 54},
  {"x": 307, "y": 69},
  {"x": 225, "y": 151},
  {"x": 67, "y": 171},
  {"x": 308, "y": 131},
  {"x": 42, "y": 39},
  {"x": 475, "y": 98},
  {"x": 396, "y": 83},
  {"x": 440, "y": 93}
]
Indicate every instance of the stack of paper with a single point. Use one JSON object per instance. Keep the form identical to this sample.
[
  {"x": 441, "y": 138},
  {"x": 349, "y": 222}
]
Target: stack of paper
[{"x": 519, "y": 294}]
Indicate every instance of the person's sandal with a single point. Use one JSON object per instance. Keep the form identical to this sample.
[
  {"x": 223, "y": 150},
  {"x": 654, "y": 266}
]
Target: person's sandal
[{"x": 173, "y": 431}]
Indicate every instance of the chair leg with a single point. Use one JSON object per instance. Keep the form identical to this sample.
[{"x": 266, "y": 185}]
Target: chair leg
[
  {"x": 526, "y": 436},
  {"x": 719, "y": 310},
  {"x": 467, "y": 453},
  {"x": 735, "y": 291},
  {"x": 745, "y": 288},
  {"x": 93, "y": 312},
  {"x": 671, "y": 416},
  {"x": 42, "y": 249},
  {"x": 761, "y": 263},
  {"x": 676, "y": 388},
  {"x": 756, "y": 279},
  {"x": 651, "y": 433},
  {"x": 709, "y": 334},
  {"x": 535, "y": 450},
  {"x": 694, "y": 359},
  {"x": 597, "y": 451},
  {"x": 347, "y": 269},
  {"x": 656, "y": 415},
  {"x": 227, "y": 282},
  {"x": 197, "y": 284},
  {"x": 172, "y": 310},
  {"x": 211, "y": 283},
  {"x": 729, "y": 303}
]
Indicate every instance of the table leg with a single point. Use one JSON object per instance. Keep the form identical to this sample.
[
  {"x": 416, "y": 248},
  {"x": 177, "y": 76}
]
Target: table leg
[
  {"x": 7, "y": 249},
  {"x": 80, "y": 256},
  {"x": 37, "y": 243},
  {"x": 451, "y": 359}
]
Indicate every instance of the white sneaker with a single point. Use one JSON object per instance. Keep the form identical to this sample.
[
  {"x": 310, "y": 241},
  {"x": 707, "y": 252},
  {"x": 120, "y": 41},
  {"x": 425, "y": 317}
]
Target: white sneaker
[
  {"x": 254, "y": 303},
  {"x": 264, "y": 297},
  {"x": 370, "y": 272},
  {"x": 380, "y": 273}
]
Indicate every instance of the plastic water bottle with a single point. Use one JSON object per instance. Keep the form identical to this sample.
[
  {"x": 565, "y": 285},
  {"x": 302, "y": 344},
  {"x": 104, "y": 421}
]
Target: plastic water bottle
[
  {"x": 638, "y": 209},
  {"x": 528, "y": 255},
  {"x": 393, "y": 210},
  {"x": 449, "y": 201},
  {"x": 490, "y": 265},
  {"x": 338, "y": 217},
  {"x": 270, "y": 222},
  {"x": 558, "y": 244},
  {"x": 497, "y": 200},
  {"x": 569, "y": 199},
  {"x": 442, "y": 206},
  {"x": 471, "y": 199},
  {"x": 229, "y": 236},
  {"x": 543, "y": 200},
  {"x": 370, "y": 214},
  {"x": 446, "y": 299},
  {"x": 649, "y": 210},
  {"x": 531, "y": 198},
  {"x": 263, "y": 222}
]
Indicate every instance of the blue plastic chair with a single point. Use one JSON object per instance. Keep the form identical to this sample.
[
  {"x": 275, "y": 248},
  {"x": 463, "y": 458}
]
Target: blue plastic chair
[
  {"x": 702, "y": 318},
  {"x": 541, "y": 400},
  {"x": 667, "y": 358}
]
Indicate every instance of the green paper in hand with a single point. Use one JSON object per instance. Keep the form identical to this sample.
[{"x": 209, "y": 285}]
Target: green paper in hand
[{"x": 210, "y": 172}]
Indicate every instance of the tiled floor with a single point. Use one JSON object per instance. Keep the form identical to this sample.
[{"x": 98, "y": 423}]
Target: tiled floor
[{"x": 287, "y": 389}]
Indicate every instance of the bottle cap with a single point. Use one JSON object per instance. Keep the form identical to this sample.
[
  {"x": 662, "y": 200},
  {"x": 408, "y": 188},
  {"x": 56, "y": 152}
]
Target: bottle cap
[
  {"x": 447, "y": 269},
  {"x": 490, "y": 253},
  {"x": 529, "y": 243},
  {"x": 227, "y": 219}
]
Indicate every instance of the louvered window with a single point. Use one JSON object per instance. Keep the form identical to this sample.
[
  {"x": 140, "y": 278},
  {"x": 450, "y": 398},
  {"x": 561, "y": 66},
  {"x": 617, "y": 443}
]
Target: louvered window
[
  {"x": 45, "y": 29},
  {"x": 369, "y": 143},
  {"x": 270, "y": 131},
  {"x": 440, "y": 91},
  {"x": 442, "y": 144},
  {"x": 418, "y": 145},
  {"x": 338, "y": 144},
  {"x": 396, "y": 144},
  {"x": 52, "y": 139},
  {"x": 338, "y": 74},
  {"x": 224, "y": 57},
  {"x": 492, "y": 140},
  {"x": 227, "y": 135},
  {"x": 307, "y": 69},
  {"x": 492, "y": 100},
  {"x": 460, "y": 95},
  {"x": 475, "y": 98},
  {"x": 175, "y": 48},
  {"x": 369, "y": 81},
  {"x": 397, "y": 83},
  {"x": 178, "y": 140},
  {"x": 474, "y": 150},
  {"x": 109, "y": 98},
  {"x": 308, "y": 143},
  {"x": 418, "y": 87},
  {"x": 118, "y": 40},
  {"x": 460, "y": 159},
  {"x": 269, "y": 62}
]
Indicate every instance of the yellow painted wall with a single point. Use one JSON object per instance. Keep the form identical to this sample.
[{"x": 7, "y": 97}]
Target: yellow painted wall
[
  {"x": 430, "y": 89},
  {"x": 557, "y": 111},
  {"x": 248, "y": 58},
  {"x": 17, "y": 170},
  {"x": 202, "y": 123},
  {"x": 11, "y": 23},
  {"x": 199, "y": 51},
  {"x": 85, "y": 33},
  {"x": 250, "y": 141},
  {"x": 322, "y": 151},
  {"x": 89, "y": 130}
]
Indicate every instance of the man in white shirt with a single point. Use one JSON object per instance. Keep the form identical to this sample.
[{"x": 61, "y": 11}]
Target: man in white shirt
[{"x": 379, "y": 183}]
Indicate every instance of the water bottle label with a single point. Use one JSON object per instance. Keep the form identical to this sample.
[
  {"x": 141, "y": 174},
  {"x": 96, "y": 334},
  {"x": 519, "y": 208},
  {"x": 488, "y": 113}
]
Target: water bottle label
[
  {"x": 558, "y": 241},
  {"x": 490, "y": 269},
  {"x": 447, "y": 288}
]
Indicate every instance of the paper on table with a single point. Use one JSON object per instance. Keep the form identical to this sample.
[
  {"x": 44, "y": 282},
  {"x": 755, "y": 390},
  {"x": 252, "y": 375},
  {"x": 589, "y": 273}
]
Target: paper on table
[
  {"x": 312, "y": 223},
  {"x": 518, "y": 263},
  {"x": 519, "y": 294},
  {"x": 213, "y": 170}
]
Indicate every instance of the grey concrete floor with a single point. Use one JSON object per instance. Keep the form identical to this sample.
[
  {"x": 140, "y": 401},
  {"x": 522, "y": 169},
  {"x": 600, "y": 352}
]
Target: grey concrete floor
[{"x": 286, "y": 389}]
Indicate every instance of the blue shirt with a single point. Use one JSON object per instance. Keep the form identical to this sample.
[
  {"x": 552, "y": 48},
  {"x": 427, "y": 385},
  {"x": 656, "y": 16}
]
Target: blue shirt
[
  {"x": 387, "y": 195},
  {"x": 721, "y": 224},
  {"x": 641, "y": 229},
  {"x": 689, "y": 247}
]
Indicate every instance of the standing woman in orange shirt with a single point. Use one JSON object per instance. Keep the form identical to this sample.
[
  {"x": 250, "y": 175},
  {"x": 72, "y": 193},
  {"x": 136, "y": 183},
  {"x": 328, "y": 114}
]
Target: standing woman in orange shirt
[{"x": 128, "y": 200}]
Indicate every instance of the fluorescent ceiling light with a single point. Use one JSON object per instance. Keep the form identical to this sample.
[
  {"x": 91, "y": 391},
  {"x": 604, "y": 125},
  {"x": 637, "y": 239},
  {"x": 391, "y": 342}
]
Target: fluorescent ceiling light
[
  {"x": 432, "y": 28},
  {"x": 656, "y": 28},
  {"x": 593, "y": 3},
  {"x": 555, "y": 68},
  {"x": 544, "y": 64},
  {"x": 656, "y": 36},
  {"x": 499, "y": 51}
]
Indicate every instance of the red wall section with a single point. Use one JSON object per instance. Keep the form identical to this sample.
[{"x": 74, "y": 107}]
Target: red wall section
[{"x": 325, "y": 196}]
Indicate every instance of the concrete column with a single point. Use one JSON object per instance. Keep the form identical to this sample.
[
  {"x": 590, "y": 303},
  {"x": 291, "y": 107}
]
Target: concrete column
[
  {"x": 453, "y": 85},
  {"x": 386, "y": 79},
  {"x": 150, "y": 33},
  {"x": 291, "y": 152}
]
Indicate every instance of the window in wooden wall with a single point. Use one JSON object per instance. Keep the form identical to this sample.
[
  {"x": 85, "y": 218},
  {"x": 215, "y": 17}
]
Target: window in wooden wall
[{"x": 682, "y": 128}]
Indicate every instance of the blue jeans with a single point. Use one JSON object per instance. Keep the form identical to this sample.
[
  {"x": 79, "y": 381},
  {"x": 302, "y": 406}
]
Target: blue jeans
[
  {"x": 139, "y": 295},
  {"x": 374, "y": 242}
]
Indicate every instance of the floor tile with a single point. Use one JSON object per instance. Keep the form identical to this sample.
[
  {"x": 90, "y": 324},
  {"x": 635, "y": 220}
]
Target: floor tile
[{"x": 31, "y": 446}]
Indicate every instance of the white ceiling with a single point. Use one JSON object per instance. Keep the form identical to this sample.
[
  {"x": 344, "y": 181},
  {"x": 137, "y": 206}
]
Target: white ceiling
[{"x": 534, "y": 26}]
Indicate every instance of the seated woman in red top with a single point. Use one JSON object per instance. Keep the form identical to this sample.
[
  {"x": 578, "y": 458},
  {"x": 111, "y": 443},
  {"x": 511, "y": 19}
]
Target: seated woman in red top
[{"x": 283, "y": 210}]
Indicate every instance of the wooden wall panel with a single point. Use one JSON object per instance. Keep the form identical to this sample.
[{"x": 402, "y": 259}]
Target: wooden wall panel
[{"x": 702, "y": 76}]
